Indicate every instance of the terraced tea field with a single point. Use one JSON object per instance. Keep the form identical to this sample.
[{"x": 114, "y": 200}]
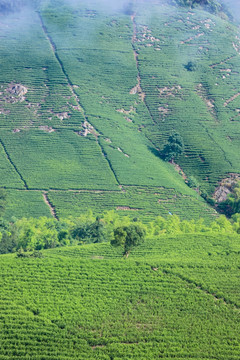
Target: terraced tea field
[
  {"x": 175, "y": 297},
  {"x": 202, "y": 104},
  {"x": 142, "y": 202},
  {"x": 89, "y": 95}
]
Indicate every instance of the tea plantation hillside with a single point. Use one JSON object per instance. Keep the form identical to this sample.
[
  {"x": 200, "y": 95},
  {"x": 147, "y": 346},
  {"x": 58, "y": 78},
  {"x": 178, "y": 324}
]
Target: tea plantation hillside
[
  {"x": 89, "y": 95},
  {"x": 189, "y": 66},
  {"x": 175, "y": 297}
]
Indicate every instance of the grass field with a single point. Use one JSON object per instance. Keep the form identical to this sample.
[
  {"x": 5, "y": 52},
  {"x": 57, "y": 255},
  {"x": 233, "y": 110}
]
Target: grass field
[{"x": 175, "y": 297}]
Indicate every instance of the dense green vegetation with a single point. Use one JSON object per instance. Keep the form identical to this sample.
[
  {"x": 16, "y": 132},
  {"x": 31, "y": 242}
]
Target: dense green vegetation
[
  {"x": 232, "y": 204},
  {"x": 96, "y": 98},
  {"x": 175, "y": 297},
  {"x": 201, "y": 104},
  {"x": 173, "y": 148},
  {"x": 44, "y": 232}
]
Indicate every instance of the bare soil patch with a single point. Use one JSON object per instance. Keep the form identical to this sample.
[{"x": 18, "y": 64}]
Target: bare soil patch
[
  {"x": 126, "y": 208},
  {"x": 15, "y": 93}
]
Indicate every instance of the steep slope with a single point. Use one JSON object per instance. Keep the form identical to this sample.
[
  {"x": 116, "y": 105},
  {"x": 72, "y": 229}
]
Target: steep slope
[
  {"x": 72, "y": 120},
  {"x": 189, "y": 68}
]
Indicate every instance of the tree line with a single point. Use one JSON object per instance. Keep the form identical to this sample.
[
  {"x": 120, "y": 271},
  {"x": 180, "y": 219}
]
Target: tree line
[{"x": 31, "y": 234}]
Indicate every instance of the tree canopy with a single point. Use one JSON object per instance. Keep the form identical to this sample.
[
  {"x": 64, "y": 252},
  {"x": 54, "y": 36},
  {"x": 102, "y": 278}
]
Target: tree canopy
[
  {"x": 128, "y": 237},
  {"x": 173, "y": 148},
  {"x": 121, "y": 231}
]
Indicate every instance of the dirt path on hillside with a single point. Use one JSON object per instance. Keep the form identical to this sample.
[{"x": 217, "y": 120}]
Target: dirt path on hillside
[
  {"x": 47, "y": 201},
  {"x": 138, "y": 88},
  {"x": 222, "y": 62},
  {"x": 231, "y": 99}
]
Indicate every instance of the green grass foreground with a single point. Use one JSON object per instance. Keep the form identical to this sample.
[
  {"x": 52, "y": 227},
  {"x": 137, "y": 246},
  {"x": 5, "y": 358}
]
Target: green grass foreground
[{"x": 175, "y": 297}]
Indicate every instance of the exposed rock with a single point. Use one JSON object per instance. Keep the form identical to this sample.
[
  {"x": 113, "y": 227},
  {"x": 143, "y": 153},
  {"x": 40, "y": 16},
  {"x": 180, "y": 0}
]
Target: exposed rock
[
  {"x": 126, "y": 112},
  {"x": 87, "y": 129},
  {"x": 179, "y": 170},
  {"x": 63, "y": 115},
  {"x": 167, "y": 91},
  {"x": 162, "y": 110},
  {"x": 46, "y": 128},
  {"x": 225, "y": 187},
  {"x": 4, "y": 112},
  {"x": 16, "y": 93},
  {"x": 126, "y": 208}
]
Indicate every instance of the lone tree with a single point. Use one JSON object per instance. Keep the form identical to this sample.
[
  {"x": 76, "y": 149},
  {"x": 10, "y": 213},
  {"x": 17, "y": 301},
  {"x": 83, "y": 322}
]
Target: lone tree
[
  {"x": 128, "y": 237},
  {"x": 173, "y": 148},
  {"x": 190, "y": 66}
]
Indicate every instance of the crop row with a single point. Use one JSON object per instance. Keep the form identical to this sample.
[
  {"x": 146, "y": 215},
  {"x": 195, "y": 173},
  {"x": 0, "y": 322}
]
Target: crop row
[
  {"x": 115, "y": 308},
  {"x": 59, "y": 160},
  {"x": 203, "y": 101},
  {"x": 142, "y": 202}
]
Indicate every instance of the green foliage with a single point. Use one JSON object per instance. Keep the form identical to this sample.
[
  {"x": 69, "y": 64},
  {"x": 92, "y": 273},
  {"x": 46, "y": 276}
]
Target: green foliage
[
  {"x": 236, "y": 222},
  {"x": 144, "y": 202},
  {"x": 128, "y": 237},
  {"x": 192, "y": 103},
  {"x": 8, "y": 237},
  {"x": 40, "y": 147},
  {"x": 190, "y": 66},
  {"x": 192, "y": 182},
  {"x": 90, "y": 231},
  {"x": 173, "y": 148},
  {"x": 231, "y": 206},
  {"x": 30, "y": 234},
  {"x": 37, "y": 234},
  {"x": 35, "y": 254},
  {"x": 97, "y": 306}
]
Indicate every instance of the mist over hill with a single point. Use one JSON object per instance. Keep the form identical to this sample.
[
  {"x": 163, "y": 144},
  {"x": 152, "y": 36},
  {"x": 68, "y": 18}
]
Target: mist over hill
[{"x": 99, "y": 88}]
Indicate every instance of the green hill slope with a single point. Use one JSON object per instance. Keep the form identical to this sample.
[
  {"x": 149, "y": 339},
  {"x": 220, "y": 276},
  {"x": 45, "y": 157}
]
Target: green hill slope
[
  {"x": 201, "y": 104},
  {"x": 89, "y": 95},
  {"x": 174, "y": 297}
]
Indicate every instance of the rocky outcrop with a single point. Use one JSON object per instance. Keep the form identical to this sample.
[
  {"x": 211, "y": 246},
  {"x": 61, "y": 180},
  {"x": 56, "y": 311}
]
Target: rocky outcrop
[
  {"x": 225, "y": 187},
  {"x": 15, "y": 93}
]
